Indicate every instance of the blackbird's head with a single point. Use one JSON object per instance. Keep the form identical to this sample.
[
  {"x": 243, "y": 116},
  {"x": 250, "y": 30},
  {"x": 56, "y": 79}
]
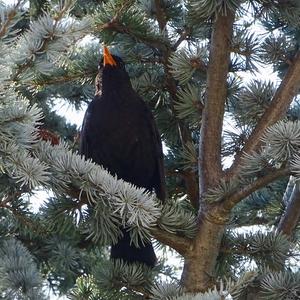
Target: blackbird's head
[{"x": 112, "y": 74}]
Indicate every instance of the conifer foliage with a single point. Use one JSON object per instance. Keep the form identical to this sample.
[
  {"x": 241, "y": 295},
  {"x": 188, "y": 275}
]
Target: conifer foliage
[{"x": 232, "y": 159}]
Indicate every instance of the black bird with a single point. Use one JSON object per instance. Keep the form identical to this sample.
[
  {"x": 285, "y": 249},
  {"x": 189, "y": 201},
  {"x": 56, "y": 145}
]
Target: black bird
[{"x": 119, "y": 133}]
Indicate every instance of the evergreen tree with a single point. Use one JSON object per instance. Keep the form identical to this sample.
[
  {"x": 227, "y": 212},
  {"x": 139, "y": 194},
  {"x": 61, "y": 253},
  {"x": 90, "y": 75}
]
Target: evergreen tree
[{"x": 232, "y": 140}]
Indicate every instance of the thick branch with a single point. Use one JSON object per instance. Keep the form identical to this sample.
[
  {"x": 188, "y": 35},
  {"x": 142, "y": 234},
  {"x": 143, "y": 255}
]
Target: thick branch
[
  {"x": 212, "y": 116},
  {"x": 279, "y": 105},
  {"x": 291, "y": 216},
  {"x": 261, "y": 182},
  {"x": 179, "y": 243}
]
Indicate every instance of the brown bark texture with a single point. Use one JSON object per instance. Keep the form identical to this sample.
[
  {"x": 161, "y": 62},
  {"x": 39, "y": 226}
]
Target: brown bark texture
[
  {"x": 200, "y": 260},
  {"x": 291, "y": 216}
]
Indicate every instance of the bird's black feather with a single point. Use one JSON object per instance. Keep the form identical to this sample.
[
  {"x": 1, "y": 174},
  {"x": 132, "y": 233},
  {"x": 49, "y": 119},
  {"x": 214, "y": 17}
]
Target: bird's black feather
[{"x": 119, "y": 133}]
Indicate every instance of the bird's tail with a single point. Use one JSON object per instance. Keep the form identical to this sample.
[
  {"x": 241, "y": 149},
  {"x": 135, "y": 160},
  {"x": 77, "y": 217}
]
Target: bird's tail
[{"x": 129, "y": 253}]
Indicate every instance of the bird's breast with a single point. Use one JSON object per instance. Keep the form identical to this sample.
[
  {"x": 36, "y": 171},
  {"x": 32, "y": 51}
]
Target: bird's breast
[{"x": 118, "y": 122}]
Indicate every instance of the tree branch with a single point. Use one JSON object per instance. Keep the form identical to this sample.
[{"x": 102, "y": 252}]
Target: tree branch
[
  {"x": 160, "y": 15},
  {"x": 191, "y": 181},
  {"x": 26, "y": 222},
  {"x": 10, "y": 16},
  {"x": 179, "y": 243},
  {"x": 62, "y": 79},
  {"x": 213, "y": 112},
  {"x": 114, "y": 25},
  {"x": 279, "y": 105},
  {"x": 184, "y": 34},
  {"x": 231, "y": 201},
  {"x": 291, "y": 216}
]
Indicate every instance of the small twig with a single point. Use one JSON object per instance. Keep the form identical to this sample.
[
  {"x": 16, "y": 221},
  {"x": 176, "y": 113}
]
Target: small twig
[
  {"x": 64, "y": 79},
  {"x": 10, "y": 17},
  {"x": 9, "y": 198},
  {"x": 27, "y": 222},
  {"x": 184, "y": 34},
  {"x": 43, "y": 48}
]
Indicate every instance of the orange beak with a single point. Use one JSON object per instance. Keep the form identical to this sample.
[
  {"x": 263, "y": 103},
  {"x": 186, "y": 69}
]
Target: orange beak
[{"x": 107, "y": 57}]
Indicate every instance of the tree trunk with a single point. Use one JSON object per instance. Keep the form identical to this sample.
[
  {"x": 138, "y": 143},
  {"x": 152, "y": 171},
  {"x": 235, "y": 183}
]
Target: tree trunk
[{"x": 200, "y": 260}]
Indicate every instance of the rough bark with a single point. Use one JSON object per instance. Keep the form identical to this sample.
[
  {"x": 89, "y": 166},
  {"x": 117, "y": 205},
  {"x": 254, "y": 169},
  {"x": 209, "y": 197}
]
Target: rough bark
[
  {"x": 210, "y": 167},
  {"x": 180, "y": 244},
  {"x": 200, "y": 260},
  {"x": 291, "y": 216},
  {"x": 201, "y": 257}
]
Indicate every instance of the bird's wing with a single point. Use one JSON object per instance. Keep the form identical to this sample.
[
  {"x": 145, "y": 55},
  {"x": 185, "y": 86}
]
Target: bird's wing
[
  {"x": 160, "y": 187},
  {"x": 83, "y": 147}
]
